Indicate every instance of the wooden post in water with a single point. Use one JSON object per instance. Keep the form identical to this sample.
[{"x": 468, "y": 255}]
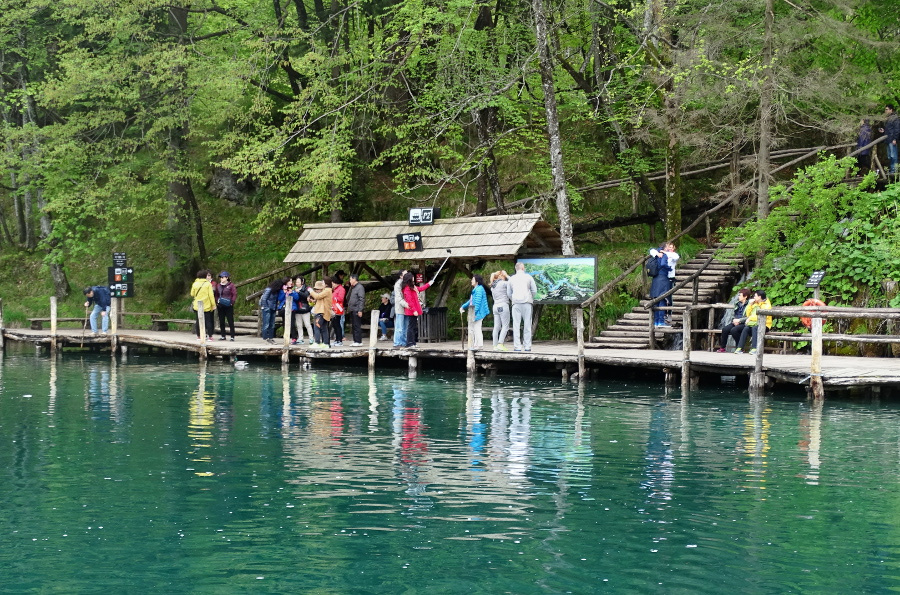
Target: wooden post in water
[
  {"x": 2, "y": 328},
  {"x": 686, "y": 351},
  {"x": 373, "y": 338},
  {"x": 579, "y": 319},
  {"x": 113, "y": 327},
  {"x": 816, "y": 386},
  {"x": 288, "y": 319},
  {"x": 470, "y": 351},
  {"x": 757, "y": 377},
  {"x": 201, "y": 325},
  {"x": 52, "y": 325}
]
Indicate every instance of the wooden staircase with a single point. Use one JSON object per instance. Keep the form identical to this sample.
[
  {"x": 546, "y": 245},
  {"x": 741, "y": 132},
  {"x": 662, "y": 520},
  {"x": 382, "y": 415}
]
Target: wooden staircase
[{"x": 715, "y": 284}]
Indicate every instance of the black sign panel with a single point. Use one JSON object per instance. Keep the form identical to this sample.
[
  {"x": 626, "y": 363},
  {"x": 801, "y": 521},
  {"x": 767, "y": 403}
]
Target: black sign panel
[
  {"x": 815, "y": 279},
  {"x": 423, "y": 215},
  {"x": 409, "y": 242},
  {"x": 121, "y": 281},
  {"x": 120, "y": 259}
]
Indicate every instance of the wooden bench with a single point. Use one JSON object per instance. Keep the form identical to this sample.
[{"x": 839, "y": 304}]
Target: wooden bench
[
  {"x": 37, "y": 324},
  {"x": 162, "y": 324}
]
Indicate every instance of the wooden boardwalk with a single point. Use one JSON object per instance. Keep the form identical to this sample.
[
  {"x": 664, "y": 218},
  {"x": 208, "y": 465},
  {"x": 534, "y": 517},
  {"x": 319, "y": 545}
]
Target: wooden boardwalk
[{"x": 546, "y": 356}]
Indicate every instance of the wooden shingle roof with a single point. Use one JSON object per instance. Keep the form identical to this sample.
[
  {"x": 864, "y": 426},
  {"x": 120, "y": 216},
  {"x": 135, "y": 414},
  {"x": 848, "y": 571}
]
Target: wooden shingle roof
[{"x": 471, "y": 238}]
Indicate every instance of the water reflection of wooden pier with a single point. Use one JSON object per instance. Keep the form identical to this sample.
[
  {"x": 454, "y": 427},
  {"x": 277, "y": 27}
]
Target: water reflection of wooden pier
[{"x": 546, "y": 357}]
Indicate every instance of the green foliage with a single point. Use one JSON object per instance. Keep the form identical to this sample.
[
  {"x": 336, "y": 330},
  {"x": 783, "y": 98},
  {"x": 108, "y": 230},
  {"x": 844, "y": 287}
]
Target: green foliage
[{"x": 850, "y": 232}]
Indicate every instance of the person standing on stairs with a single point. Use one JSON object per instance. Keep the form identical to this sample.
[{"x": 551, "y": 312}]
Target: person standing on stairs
[
  {"x": 672, "y": 258},
  {"x": 658, "y": 271}
]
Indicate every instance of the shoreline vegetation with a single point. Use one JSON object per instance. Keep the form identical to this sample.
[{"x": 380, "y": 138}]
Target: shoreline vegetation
[{"x": 197, "y": 137}]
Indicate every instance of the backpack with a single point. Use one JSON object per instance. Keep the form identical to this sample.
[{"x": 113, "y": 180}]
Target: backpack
[{"x": 652, "y": 266}]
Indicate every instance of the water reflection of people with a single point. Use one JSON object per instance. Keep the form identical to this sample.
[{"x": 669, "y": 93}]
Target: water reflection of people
[
  {"x": 811, "y": 423},
  {"x": 475, "y": 427},
  {"x": 755, "y": 443},
  {"x": 200, "y": 426},
  {"x": 411, "y": 449},
  {"x": 660, "y": 467}
]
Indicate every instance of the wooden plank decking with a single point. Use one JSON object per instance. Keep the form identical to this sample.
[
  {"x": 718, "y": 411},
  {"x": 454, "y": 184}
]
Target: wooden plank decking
[{"x": 837, "y": 371}]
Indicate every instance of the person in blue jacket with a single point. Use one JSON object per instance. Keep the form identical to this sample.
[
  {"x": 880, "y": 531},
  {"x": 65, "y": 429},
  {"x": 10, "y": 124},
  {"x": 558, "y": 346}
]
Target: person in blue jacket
[
  {"x": 658, "y": 270},
  {"x": 479, "y": 300},
  {"x": 99, "y": 296}
]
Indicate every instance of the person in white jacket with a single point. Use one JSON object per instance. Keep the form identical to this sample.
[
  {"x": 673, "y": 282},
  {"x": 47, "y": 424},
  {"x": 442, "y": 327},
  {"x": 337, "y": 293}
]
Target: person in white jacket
[{"x": 521, "y": 290}]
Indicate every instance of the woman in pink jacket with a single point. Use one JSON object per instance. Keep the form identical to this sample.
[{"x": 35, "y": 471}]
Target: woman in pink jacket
[{"x": 412, "y": 308}]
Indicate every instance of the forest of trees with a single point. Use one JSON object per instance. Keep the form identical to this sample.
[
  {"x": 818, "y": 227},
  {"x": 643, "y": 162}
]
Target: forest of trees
[{"x": 350, "y": 110}]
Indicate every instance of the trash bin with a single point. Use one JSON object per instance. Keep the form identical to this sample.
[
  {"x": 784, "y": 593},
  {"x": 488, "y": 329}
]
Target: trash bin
[{"x": 433, "y": 325}]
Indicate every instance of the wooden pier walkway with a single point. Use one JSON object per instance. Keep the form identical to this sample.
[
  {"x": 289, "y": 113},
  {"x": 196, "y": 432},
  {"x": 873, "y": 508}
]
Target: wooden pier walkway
[{"x": 838, "y": 372}]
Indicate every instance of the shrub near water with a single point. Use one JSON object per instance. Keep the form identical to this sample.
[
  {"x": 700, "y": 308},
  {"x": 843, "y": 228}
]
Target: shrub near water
[{"x": 821, "y": 223}]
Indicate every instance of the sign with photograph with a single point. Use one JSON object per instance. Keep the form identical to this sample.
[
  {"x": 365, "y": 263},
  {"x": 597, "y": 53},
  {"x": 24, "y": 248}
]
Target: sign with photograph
[
  {"x": 409, "y": 242},
  {"x": 563, "y": 280}
]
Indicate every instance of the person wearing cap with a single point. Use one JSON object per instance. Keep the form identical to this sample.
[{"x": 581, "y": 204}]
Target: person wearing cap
[
  {"x": 226, "y": 296},
  {"x": 385, "y": 315},
  {"x": 321, "y": 293}
]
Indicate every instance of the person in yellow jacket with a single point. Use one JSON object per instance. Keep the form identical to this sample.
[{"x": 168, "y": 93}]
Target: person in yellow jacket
[
  {"x": 759, "y": 302},
  {"x": 202, "y": 290},
  {"x": 320, "y": 297}
]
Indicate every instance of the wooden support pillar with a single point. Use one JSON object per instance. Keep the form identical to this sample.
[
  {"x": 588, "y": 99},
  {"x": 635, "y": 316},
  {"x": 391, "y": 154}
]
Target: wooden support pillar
[
  {"x": 757, "y": 376},
  {"x": 816, "y": 386},
  {"x": 413, "y": 366},
  {"x": 3, "y": 328},
  {"x": 113, "y": 327},
  {"x": 201, "y": 325},
  {"x": 651, "y": 332},
  {"x": 592, "y": 321},
  {"x": 288, "y": 320},
  {"x": 686, "y": 351},
  {"x": 579, "y": 321},
  {"x": 671, "y": 377},
  {"x": 53, "y": 325},
  {"x": 470, "y": 350},
  {"x": 373, "y": 338}
]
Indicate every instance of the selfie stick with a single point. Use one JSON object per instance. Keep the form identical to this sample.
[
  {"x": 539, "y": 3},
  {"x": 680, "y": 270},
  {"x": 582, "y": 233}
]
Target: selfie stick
[{"x": 442, "y": 264}]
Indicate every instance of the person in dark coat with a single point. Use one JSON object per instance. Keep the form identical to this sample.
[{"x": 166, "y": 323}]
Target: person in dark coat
[
  {"x": 738, "y": 323},
  {"x": 356, "y": 305},
  {"x": 863, "y": 138},
  {"x": 226, "y": 296},
  {"x": 99, "y": 296},
  {"x": 658, "y": 271}
]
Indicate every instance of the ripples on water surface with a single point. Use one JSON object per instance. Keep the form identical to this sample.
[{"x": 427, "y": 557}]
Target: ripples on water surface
[{"x": 144, "y": 477}]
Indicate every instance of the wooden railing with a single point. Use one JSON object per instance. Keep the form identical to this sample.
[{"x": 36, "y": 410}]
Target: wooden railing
[{"x": 816, "y": 337}]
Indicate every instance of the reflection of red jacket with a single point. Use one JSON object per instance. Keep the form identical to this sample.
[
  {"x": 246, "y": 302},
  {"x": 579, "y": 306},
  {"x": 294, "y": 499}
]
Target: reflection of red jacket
[{"x": 411, "y": 297}]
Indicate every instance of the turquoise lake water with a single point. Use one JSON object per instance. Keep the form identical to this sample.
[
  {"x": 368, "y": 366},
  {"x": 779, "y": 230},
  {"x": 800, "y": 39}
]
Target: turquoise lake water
[{"x": 165, "y": 477}]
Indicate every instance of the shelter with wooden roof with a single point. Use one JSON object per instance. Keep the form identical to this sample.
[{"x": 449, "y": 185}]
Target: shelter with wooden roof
[
  {"x": 462, "y": 241},
  {"x": 468, "y": 239}
]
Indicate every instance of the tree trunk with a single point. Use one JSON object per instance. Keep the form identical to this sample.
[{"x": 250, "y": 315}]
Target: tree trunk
[
  {"x": 183, "y": 208},
  {"x": 765, "y": 116},
  {"x": 556, "y": 158}
]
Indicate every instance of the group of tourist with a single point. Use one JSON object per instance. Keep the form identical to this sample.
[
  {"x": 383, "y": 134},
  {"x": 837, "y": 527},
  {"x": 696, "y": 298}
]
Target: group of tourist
[
  {"x": 320, "y": 310},
  {"x": 746, "y": 321},
  {"x": 214, "y": 296},
  {"x": 513, "y": 299}
]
